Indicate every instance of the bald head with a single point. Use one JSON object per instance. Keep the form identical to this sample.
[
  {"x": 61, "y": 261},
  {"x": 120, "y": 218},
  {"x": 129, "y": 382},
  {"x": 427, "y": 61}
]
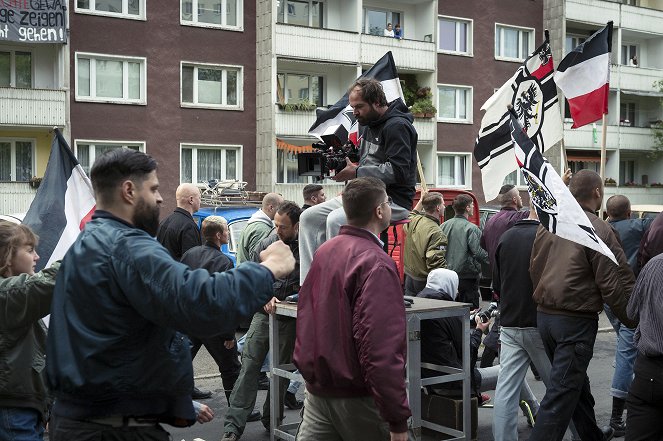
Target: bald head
[
  {"x": 618, "y": 207},
  {"x": 586, "y": 186},
  {"x": 270, "y": 203},
  {"x": 188, "y": 197}
]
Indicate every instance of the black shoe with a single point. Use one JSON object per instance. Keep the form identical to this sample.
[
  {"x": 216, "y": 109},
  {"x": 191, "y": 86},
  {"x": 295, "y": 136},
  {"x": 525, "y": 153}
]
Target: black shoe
[
  {"x": 254, "y": 416},
  {"x": 619, "y": 427},
  {"x": 263, "y": 383},
  {"x": 608, "y": 433},
  {"x": 292, "y": 402},
  {"x": 198, "y": 394}
]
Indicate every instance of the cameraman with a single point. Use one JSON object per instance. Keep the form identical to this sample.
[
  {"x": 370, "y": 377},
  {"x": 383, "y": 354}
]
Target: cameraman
[
  {"x": 387, "y": 151},
  {"x": 442, "y": 342}
]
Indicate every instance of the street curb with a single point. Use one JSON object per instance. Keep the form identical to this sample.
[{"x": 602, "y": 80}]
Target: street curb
[
  {"x": 606, "y": 329},
  {"x": 206, "y": 376}
]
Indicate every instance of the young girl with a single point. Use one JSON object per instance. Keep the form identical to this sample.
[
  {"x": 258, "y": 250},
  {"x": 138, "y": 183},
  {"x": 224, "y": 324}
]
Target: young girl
[{"x": 25, "y": 298}]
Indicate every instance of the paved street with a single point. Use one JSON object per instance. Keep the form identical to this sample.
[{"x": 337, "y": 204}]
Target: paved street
[{"x": 600, "y": 375}]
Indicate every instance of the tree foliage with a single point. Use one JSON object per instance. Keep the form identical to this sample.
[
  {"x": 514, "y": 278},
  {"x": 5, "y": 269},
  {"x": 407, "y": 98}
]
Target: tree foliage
[{"x": 657, "y": 130}]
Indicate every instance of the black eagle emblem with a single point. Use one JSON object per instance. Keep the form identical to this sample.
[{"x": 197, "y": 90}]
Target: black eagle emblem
[
  {"x": 545, "y": 55},
  {"x": 524, "y": 106}
]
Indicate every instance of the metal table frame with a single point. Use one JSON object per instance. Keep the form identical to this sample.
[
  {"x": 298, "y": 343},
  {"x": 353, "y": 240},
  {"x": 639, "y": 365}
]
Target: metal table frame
[{"x": 422, "y": 309}]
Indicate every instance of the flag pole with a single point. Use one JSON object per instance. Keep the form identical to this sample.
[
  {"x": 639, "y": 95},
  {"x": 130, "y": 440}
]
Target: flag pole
[
  {"x": 604, "y": 134},
  {"x": 424, "y": 187}
]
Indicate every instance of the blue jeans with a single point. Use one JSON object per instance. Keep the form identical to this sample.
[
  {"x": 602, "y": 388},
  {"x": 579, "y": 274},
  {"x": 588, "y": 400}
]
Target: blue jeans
[
  {"x": 624, "y": 357},
  {"x": 20, "y": 424},
  {"x": 569, "y": 343}
]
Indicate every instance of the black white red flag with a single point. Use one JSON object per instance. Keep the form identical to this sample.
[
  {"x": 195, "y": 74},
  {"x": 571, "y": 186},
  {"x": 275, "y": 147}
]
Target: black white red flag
[
  {"x": 339, "y": 119},
  {"x": 532, "y": 93},
  {"x": 584, "y": 77},
  {"x": 558, "y": 210},
  {"x": 62, "y": 205}
]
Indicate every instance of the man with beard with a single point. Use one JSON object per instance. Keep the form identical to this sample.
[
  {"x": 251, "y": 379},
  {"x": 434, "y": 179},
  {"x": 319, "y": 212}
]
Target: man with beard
[
  {"x": 387, "y": 151},
  {"x": 243, "y": 398},
  {"x": 116, "y": 365}
]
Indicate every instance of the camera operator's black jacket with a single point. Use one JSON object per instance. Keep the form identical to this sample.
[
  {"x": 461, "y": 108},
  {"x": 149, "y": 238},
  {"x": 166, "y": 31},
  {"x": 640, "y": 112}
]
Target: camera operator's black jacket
[
  {"x": 388, "y": 151},
  {"x": 442, "y": 344}
]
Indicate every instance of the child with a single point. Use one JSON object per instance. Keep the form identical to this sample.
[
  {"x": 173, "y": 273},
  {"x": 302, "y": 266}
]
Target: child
[
  {"x": 398, "y": 33},
  {"x": 25, "y": 298}
]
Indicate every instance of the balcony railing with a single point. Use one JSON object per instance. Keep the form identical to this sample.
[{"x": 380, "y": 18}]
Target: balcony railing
[
  {"x": 637, "y": 195},
  {"x": 426, "y": 128},
  {"x": 618, "y": 137},
  {"x": 294, "y": 123},
  {"x": 317, "y": 44},
  {"x": 634, "y": 78},
  {"x": 601, "y": 11},
  {"x": 16, "y": 197},
  {"x": 408, "y": 54},
  {"x": 32, "y": 107}
]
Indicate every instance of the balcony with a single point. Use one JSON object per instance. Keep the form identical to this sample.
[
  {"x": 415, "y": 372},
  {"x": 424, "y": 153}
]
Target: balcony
[
  {"x": 600, "y": 12},
  {"x": 642, "y": 19},
  {"x": 618, "y": 137},
  {"x": 32, "y": 107},
  {"x": 426, "y": 128},
  {"x": 634, "y": 78},
  {"x": 408, "y": 54},
  {"x": 316, "y": 44},
  {"x": 293, "y": 123}
]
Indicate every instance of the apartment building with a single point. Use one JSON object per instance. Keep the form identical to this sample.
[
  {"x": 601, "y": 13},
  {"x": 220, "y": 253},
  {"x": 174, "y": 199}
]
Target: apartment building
[
  {"x": 173, "y": 79},
  {"x": 34, "y": 83},
  {"x": 634, "y": 103}
]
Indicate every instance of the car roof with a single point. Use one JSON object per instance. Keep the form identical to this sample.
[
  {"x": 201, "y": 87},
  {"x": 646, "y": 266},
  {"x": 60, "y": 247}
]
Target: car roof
[
  {"x": 647, "y": 208},
  {"x": 230, "y": 213}
]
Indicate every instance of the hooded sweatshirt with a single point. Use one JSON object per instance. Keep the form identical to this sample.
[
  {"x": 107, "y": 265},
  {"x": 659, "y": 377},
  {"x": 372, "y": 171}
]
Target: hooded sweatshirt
[
  {"x": 258, "y": 227},
  {"x": 388, "y": 151}
]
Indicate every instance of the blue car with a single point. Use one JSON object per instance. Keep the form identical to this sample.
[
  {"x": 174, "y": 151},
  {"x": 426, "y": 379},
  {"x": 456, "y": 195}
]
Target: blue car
[{"x": 237, "y": 217}]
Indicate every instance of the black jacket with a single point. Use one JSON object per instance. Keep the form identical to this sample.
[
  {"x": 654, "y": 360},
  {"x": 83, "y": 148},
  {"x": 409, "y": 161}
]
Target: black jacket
[
  {"x": 388, "y": 151},
  {"x": 290, "y": 284},
  {"x": 511, "y": 279},
  {"x": 442, "y": 344},
  {"x": 179, "y": 232}
]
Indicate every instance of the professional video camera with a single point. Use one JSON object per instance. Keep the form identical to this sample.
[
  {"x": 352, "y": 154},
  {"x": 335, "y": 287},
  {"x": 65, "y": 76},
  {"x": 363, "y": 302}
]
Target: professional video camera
[
  {"x": 328, "y": 155},
  {"x": 486, "y": 315}
]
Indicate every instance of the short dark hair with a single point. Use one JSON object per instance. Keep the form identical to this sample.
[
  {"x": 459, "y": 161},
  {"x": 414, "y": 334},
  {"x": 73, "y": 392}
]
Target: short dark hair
[
  {"x": 583, "y": 184},
  {"x": 618, "y": 206},
  {"x": 360, "y": 197},
  {"x": 212, "y": 225},
  {"x": 291, "y": 210},
  {"x": 310, "y": 190},
  {"x": 503, "y": 197},
  {"x": 430, "y": 201},
  {"x": 370, "y": 90},
  {"x": 117, "y": 165},
  {"x": 461, "y": 202}
]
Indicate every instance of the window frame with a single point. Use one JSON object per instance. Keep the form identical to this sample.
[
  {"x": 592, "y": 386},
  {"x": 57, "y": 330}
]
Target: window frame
[
  {"x": 204, "y": 146},
  {"x": 572, "y": 36},
  {"x": 469, "y": 105},
  {"x": 142, "y": 8},
  {"x": 224, "y": 68},
  {"x": 310, "y": 76},
  {"x": 388, "y": 11},
  {"x": 457, "y": 155},
  {"x": 94, "y": 142},
  {"x": 323, "y": 19},
  {"x": 520, "y": 29},
  {"x": 12, "y": 65},
  {"x": 469, "y": 36},
  {"x": 125, "y": 59},
  {"x": 195, "y": 23},
  {"x": 520, "y": 180},
  {"x": 13, "y": 140}
]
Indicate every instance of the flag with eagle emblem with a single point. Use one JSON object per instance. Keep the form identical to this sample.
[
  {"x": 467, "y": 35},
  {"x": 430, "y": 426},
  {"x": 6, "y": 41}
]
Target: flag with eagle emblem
[
  {"x": 533, "y": 95},
  {"x": 558, "y": 210}
]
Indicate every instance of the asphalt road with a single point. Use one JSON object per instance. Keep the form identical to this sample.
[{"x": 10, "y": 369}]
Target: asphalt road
[{"x": 600, "y": 375}]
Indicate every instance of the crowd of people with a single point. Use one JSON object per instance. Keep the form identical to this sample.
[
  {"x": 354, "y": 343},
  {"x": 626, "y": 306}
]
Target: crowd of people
[{"x": 128, "y": 313}]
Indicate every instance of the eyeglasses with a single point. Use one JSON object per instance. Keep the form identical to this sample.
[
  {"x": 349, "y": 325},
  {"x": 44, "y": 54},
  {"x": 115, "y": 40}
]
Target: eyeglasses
[{"x": 388, "y": 201}]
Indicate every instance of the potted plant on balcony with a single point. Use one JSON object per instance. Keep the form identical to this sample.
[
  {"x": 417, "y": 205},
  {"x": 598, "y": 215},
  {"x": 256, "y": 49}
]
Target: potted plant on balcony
[
  {"x": 35, "y": 182},
  {"x": 609, "y": 182},
  {"x": 301, "y": 106},
  {"x": 423, "y": 108}
]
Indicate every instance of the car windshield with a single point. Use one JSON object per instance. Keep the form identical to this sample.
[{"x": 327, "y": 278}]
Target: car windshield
[{"x": 235, "y": 231}]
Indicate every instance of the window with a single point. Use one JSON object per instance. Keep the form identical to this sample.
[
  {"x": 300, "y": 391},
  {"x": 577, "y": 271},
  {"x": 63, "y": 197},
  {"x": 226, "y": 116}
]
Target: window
[
  {"x": 629, "y": 55},
  {"x": 16, "y": 69},
  {"x": 200, "y": 162},
  {"x": 375, "y": 20},
  {"x": 301, "y": 12},
  {"x": 88, "y": 151},
  {"x": 453, "y": 169},
  {"x": 454, "y": 36},
  {"x": 225, "y": 14},
  {"x": 573, "y": 41},
  {"x": 626, "y": 172},
  {"x": 297, "y": 88},
  {"x": 110, "y": 78},
  {"x": 134, "y": 9},
  {"x": 16, "y": 159},
  {"x": 454, "y": 103},
  {"x": 627, "y": 114},
  {"x": 513, "y": 43},
  {"x": 515, "y": 178},
  {"x": 211, "y": 86}
]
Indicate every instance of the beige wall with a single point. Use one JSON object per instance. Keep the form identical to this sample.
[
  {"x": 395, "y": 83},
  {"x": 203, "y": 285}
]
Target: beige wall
[{"x": 42, "y": 139}]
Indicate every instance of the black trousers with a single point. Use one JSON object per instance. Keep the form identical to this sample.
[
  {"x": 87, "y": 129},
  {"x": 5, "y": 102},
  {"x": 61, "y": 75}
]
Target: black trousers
[
  {"x": 645, "y": 400},
  {"x": 65, "y": 429},
  {"x": 468, "y": 291},
  {"x": 413, "y": 287},
  {"x": 226, "y": 359},
  {"x": 569, "y": 343}
]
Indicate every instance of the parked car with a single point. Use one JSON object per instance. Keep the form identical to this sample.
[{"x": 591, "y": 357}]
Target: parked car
[{"x": 645, "y": 211}]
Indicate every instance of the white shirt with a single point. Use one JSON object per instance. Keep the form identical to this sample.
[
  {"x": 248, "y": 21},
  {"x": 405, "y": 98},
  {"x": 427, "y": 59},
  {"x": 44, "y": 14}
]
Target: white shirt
[{"x": 388, "y": 33}]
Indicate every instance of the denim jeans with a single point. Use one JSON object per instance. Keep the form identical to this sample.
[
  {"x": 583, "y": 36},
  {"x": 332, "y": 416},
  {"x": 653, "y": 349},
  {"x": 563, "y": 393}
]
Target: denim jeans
[
  {"x": 20, "y": 424},
  {"x": 569, "y": 343},
  {"x": 624, "y": 356},
  {"x": 519, "y": 347}
]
